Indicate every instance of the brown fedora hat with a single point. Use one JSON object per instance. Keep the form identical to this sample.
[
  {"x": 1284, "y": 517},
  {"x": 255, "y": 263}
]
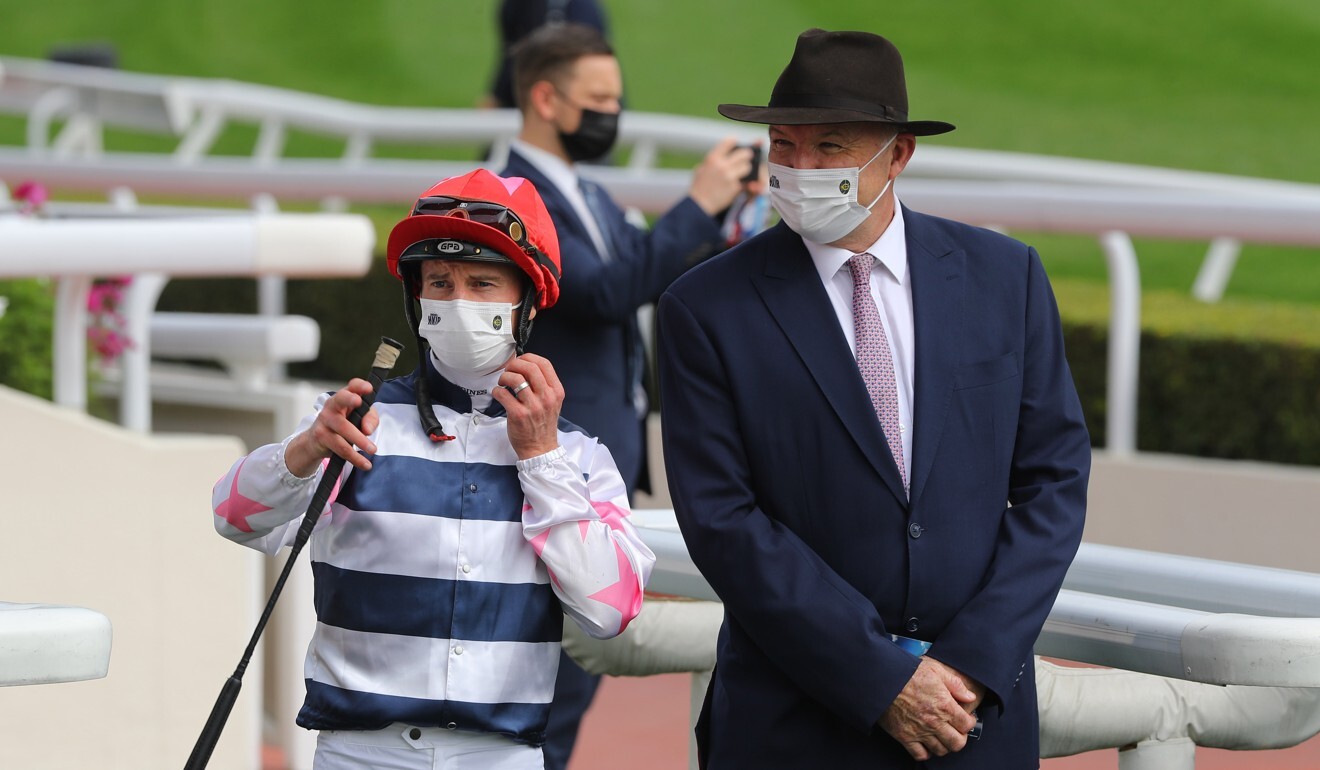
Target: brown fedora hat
[{"x": 839, "y": 77}]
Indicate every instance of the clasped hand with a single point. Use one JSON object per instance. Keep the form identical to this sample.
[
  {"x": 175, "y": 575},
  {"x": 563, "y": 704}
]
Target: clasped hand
[{"x": 933, "y": 713}]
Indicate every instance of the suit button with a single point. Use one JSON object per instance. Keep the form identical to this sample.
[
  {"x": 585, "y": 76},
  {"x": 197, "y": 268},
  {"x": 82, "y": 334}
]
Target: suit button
[
  {"x": 912, "y": 625},
  {"x": 914, "y": 530},
  {"x": 414, "y": 733}
]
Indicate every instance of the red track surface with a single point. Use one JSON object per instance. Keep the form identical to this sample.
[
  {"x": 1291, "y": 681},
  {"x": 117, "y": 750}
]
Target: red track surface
[{"x": 642, "y": 724}]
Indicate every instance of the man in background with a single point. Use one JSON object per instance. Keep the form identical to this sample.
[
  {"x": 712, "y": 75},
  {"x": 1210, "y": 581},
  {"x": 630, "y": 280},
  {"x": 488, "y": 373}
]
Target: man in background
[{"x": 568, "y": 85}]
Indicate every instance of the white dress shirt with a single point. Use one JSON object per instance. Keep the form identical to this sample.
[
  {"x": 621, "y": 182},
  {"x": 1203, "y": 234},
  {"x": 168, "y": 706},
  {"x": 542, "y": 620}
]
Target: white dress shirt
[{"x": 893, "y": 296}]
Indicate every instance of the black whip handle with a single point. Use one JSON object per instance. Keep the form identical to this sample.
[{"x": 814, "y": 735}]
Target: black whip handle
[{"x": 386, "y": 355}]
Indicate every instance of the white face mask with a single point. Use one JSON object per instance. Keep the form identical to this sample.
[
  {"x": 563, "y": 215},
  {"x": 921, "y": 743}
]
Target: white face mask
[
  {"x": 469, "y": 340},
  {"x": 820, "y": 204}
]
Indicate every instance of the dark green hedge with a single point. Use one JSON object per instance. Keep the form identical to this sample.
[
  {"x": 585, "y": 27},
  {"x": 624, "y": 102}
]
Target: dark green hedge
[
  {"x": 1232, "y": 380},
  {"x": 1210, "y": 397},
  {"x": 25, "y": 335},
  {"x": 1237, "y": 379}
]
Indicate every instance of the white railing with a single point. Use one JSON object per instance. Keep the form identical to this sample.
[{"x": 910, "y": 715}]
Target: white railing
[
  {"x": 68, "y": 105},
  {"x": 1145, "y": 612},
  {"x": 1196, "y": 619},
  {"x": 77, "y": 250},
  {"x": 1009, "y": 190}
]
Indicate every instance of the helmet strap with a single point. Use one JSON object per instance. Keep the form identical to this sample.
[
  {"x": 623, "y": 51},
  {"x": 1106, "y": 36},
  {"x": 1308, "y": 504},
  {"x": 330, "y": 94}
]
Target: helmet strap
[
  {"x": 422, "y": 392},
  {"x": 524, "y": 330}
]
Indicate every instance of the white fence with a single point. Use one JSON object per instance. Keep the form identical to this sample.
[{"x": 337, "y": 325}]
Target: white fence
[
  {"x": 68, "y": 106},
  {"x": 77, "y": 250},
  {"x": 1174, "y": 616}
]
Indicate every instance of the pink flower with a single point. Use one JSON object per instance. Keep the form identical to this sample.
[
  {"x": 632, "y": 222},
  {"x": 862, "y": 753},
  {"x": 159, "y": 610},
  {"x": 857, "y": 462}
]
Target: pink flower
[
  {"x": 105, "y": 327},
  {"x": 105, "y": 324},
  {"x": 31, "y": 196}
]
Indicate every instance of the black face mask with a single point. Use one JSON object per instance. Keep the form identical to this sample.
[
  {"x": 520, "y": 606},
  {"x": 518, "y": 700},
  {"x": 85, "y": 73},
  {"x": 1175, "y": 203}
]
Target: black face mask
[{"x": 594, "y": 136}]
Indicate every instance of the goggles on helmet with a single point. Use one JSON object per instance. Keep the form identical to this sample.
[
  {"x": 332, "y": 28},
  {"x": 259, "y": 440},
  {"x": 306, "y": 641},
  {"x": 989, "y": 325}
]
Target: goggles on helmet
[{"x": 494, "y": 215}]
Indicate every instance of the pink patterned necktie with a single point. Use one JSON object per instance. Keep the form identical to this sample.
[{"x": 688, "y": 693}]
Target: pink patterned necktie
[{"x": 874, "y": 358}]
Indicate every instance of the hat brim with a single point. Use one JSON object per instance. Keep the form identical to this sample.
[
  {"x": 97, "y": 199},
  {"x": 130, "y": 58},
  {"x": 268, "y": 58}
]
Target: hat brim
[
  {"x": 804, "y": 116},
  {"x": 424, "y": 226}
]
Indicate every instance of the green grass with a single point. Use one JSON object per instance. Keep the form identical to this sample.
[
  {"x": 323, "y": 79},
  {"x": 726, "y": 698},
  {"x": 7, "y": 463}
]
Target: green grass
[
  {"x": 1227, "y": 87},
  {"x": 1262, "y": 272},
  {"x": 1169, "y": 312}
]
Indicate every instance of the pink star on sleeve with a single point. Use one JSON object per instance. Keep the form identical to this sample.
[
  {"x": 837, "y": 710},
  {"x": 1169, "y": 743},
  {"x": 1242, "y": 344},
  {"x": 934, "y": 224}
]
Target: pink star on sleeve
[
  {"x": 623, "y": 595},
  {"x": 610, "y": 513},
  {"x": 236, "y": 508}
]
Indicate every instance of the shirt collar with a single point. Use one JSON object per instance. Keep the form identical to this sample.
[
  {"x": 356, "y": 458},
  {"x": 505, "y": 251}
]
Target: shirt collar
[
  {"x": 560, "y": 173},
  {"x": 890, "y": 250},
  {"x": 448, "y": 394}
]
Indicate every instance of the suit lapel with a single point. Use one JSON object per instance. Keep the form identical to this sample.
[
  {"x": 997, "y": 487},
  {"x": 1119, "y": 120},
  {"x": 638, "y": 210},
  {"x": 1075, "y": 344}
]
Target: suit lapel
[
  {"x": 936, "y": 268},
  {"x": 595, "y": 197},
  {"x": 570, "y": 227},
  {"x": 791, "y": 290},
  {"x": 561, "y": 211}
]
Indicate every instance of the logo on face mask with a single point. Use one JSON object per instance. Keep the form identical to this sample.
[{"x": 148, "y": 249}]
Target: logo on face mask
[
  {"x": 469, "y": 340},
  {"x": 820, "y": 203},
  {"x": 449, "y": 247}
]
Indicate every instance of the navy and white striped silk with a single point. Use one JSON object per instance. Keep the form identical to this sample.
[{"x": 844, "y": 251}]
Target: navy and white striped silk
[{"x": 442, "y": 575}]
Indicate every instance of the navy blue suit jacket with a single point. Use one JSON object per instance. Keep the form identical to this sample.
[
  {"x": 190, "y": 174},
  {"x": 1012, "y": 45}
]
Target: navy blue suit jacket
[
  {"x": 591, "y": 334},
  {"x": 793, "y": 509}
]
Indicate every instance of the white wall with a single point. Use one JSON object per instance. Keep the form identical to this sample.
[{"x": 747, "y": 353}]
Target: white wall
[
  {"x": 1255, "y": 513},
  {"x": 99, "y": 517}
]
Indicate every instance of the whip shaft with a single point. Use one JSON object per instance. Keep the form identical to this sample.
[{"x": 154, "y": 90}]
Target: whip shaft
[{"x": 386, "y": 355}]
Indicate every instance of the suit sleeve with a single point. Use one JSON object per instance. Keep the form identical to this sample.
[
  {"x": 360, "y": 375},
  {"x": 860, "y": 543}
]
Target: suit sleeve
[
  {"x": 991, "y": 637},
  {"x": 820, "y": 632},
  {"x": 646, "y": 263}
]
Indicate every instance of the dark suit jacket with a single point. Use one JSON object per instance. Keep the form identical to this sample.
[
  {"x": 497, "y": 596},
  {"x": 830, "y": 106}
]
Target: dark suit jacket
[
  {"x": 591, "y": 335},
  {"x": 792, "y": 506}
]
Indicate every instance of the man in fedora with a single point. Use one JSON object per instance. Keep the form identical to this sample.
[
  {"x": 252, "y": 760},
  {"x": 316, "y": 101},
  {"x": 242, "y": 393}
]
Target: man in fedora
[{"x": 874, "y": 448}]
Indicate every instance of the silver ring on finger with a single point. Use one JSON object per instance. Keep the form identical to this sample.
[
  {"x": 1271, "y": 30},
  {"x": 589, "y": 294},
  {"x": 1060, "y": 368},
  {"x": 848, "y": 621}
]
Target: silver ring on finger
[{"x": 521, "y": 387}]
